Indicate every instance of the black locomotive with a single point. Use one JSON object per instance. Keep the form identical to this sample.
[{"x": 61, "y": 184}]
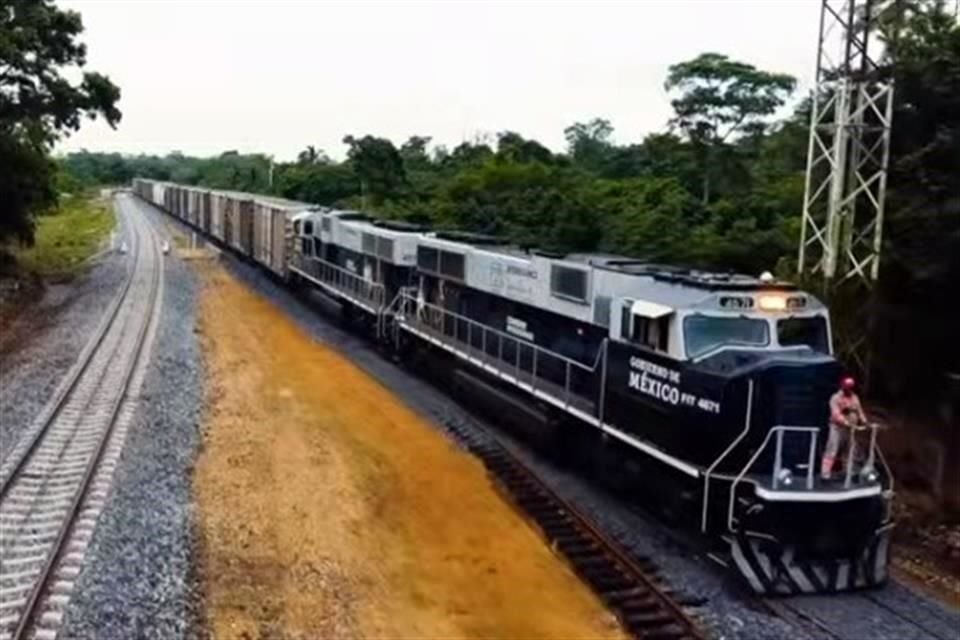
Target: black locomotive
[{"x": 711, "y": 387}]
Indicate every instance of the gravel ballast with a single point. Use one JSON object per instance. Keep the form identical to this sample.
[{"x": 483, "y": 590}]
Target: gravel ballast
[{"x": 139, "y": 579}]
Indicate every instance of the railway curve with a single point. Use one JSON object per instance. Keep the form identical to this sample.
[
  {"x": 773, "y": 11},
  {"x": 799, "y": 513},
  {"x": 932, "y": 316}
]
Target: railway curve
[{"x": 55, "y": 483}]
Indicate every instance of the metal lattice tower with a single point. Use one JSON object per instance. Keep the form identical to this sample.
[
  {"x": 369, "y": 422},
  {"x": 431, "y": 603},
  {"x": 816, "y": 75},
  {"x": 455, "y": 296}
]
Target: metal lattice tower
[{"x": 849, "y": 146}]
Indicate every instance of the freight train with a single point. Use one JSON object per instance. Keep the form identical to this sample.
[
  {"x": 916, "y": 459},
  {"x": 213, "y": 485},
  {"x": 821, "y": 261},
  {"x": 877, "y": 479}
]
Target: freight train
[{"x": 709, "y": 388}]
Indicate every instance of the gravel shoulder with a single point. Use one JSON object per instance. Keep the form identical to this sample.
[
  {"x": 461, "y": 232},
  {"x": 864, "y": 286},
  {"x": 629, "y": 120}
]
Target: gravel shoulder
[{"x": 139, "y": 579}]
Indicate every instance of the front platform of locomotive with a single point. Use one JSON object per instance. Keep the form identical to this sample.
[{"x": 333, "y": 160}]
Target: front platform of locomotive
[{"x": 790, "y": 529}]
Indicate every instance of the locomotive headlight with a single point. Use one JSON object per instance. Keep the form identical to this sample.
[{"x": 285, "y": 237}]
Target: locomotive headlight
[
  {"x": 785, "y": 477},
  {"x": 772, "y": 303},
  {"x": 869, "y": 474}
]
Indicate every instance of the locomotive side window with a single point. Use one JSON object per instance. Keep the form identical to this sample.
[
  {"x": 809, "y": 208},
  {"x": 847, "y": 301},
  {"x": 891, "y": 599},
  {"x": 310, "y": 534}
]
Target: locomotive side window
[
  {"x": 811, "y": 332},
  {"x": 652, "y": 333},
  {"x": 625, "y": 325},
  {"x": 453, "y": 265},
  {"x": 704, "y": 333},
  {"x": 428, "y": 259},
  {"x": 385, "y": 248},
  {"x": 569, "y": 283},
  {"x": 369, "y": 243}
]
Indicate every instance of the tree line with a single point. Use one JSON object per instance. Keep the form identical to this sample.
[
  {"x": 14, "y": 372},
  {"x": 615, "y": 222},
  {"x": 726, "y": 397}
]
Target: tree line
[
  {"x": 721, "y": 186},
  {"x": 718, "y": 188}
]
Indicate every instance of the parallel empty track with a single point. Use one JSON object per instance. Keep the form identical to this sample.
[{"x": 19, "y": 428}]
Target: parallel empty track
[
  {"x": 54, "y": 484},
  {"x": 643, "y": 606}
]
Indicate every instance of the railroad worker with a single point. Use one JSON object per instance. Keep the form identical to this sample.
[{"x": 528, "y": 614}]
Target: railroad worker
[{"x": 846, "y": 413}]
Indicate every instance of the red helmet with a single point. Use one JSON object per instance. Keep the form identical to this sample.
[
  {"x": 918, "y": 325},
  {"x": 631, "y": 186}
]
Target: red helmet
[{"x": 848, "y": 383}]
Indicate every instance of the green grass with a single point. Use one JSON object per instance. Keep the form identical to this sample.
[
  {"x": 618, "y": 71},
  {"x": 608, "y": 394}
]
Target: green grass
[{"x": 65, "y": 239}]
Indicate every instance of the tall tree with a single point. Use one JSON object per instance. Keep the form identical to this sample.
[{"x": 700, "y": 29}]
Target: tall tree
[
  {"x": 378, "y": 166},
  {"x": 312, "y": 155},
  {"x": 414, "y": 154},
  {"x": 26, "y": 185},
  {"x": 531, "y": 203},
  {"x": 515, "y": 148},
  {"x": 467, "y": 154},
  {"x": 589, "y": 142},
  {"x": 324, "y": 184},
  {"x": 38, "y": 104},
  {"x": 415, "y": 148},
  {"x": 921, "y": 260},
  {"x": 649, "y": 218},
  {"x": 719, "y": 98}
]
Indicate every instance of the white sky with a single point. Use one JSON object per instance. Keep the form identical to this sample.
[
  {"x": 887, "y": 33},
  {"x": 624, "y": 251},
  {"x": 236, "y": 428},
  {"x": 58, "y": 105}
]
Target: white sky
[{"x": 205, "y": 76}]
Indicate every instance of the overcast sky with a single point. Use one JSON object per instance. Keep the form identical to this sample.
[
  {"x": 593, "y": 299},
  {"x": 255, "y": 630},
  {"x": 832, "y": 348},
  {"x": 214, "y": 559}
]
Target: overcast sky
[{"x": 204, "y": 76}]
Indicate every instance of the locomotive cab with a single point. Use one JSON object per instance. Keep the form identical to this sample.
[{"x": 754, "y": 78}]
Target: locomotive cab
[{"x": 739, "y": 383}]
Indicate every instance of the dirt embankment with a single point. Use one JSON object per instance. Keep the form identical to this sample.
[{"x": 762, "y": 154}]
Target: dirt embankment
[{"x": 330, "y": 509}]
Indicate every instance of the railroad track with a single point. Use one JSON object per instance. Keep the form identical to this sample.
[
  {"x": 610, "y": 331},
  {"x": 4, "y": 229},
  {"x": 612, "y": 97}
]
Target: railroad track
[
  {"x": 884, "y": 613},
  {"x": 643, "y": 606},
  {"x": 54, "y": 484}
]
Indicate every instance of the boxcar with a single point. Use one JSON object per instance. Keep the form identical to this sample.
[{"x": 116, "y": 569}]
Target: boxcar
[{"x": 270, "y": 221}]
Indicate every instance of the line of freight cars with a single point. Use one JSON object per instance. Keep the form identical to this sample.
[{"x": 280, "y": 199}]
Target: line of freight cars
[{"x": 254, "y": 226}]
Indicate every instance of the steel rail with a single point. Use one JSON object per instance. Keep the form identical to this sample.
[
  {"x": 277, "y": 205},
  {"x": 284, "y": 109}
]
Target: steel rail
[
  {"x": 793, "y": 612},
  {"x": 47, "y": 572},
  {"x": 65, "y": 391},
  {"x": 641, "y": 604}
]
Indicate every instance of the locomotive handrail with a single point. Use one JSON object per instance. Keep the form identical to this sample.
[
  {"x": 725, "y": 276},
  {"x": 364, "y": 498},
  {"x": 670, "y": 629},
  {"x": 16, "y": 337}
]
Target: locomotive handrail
[
  {"x": 872, "y": 450},
  {"x": 726, "y": 452},
  {"x": 811, "y": 456},
  {"x": 777, "y": 478},
  {"x": 539, "y": 354},
  {"x": 509, "y": 336},
  {"x": 779, "y": 429},
  {"x": 886, "y": 469},
  {"x": 345, "y": 281},
  {"x": 394, "y": 306}
]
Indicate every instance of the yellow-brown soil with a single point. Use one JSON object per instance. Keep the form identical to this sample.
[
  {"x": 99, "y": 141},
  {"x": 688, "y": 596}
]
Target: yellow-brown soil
[{"x": 329, "y": 509}]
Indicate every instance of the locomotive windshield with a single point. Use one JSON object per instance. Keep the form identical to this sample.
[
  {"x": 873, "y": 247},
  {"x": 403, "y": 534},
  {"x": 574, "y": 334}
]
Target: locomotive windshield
[
  {"x": 703, "y": 333},
  {"x": 811, "y": 332}
]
